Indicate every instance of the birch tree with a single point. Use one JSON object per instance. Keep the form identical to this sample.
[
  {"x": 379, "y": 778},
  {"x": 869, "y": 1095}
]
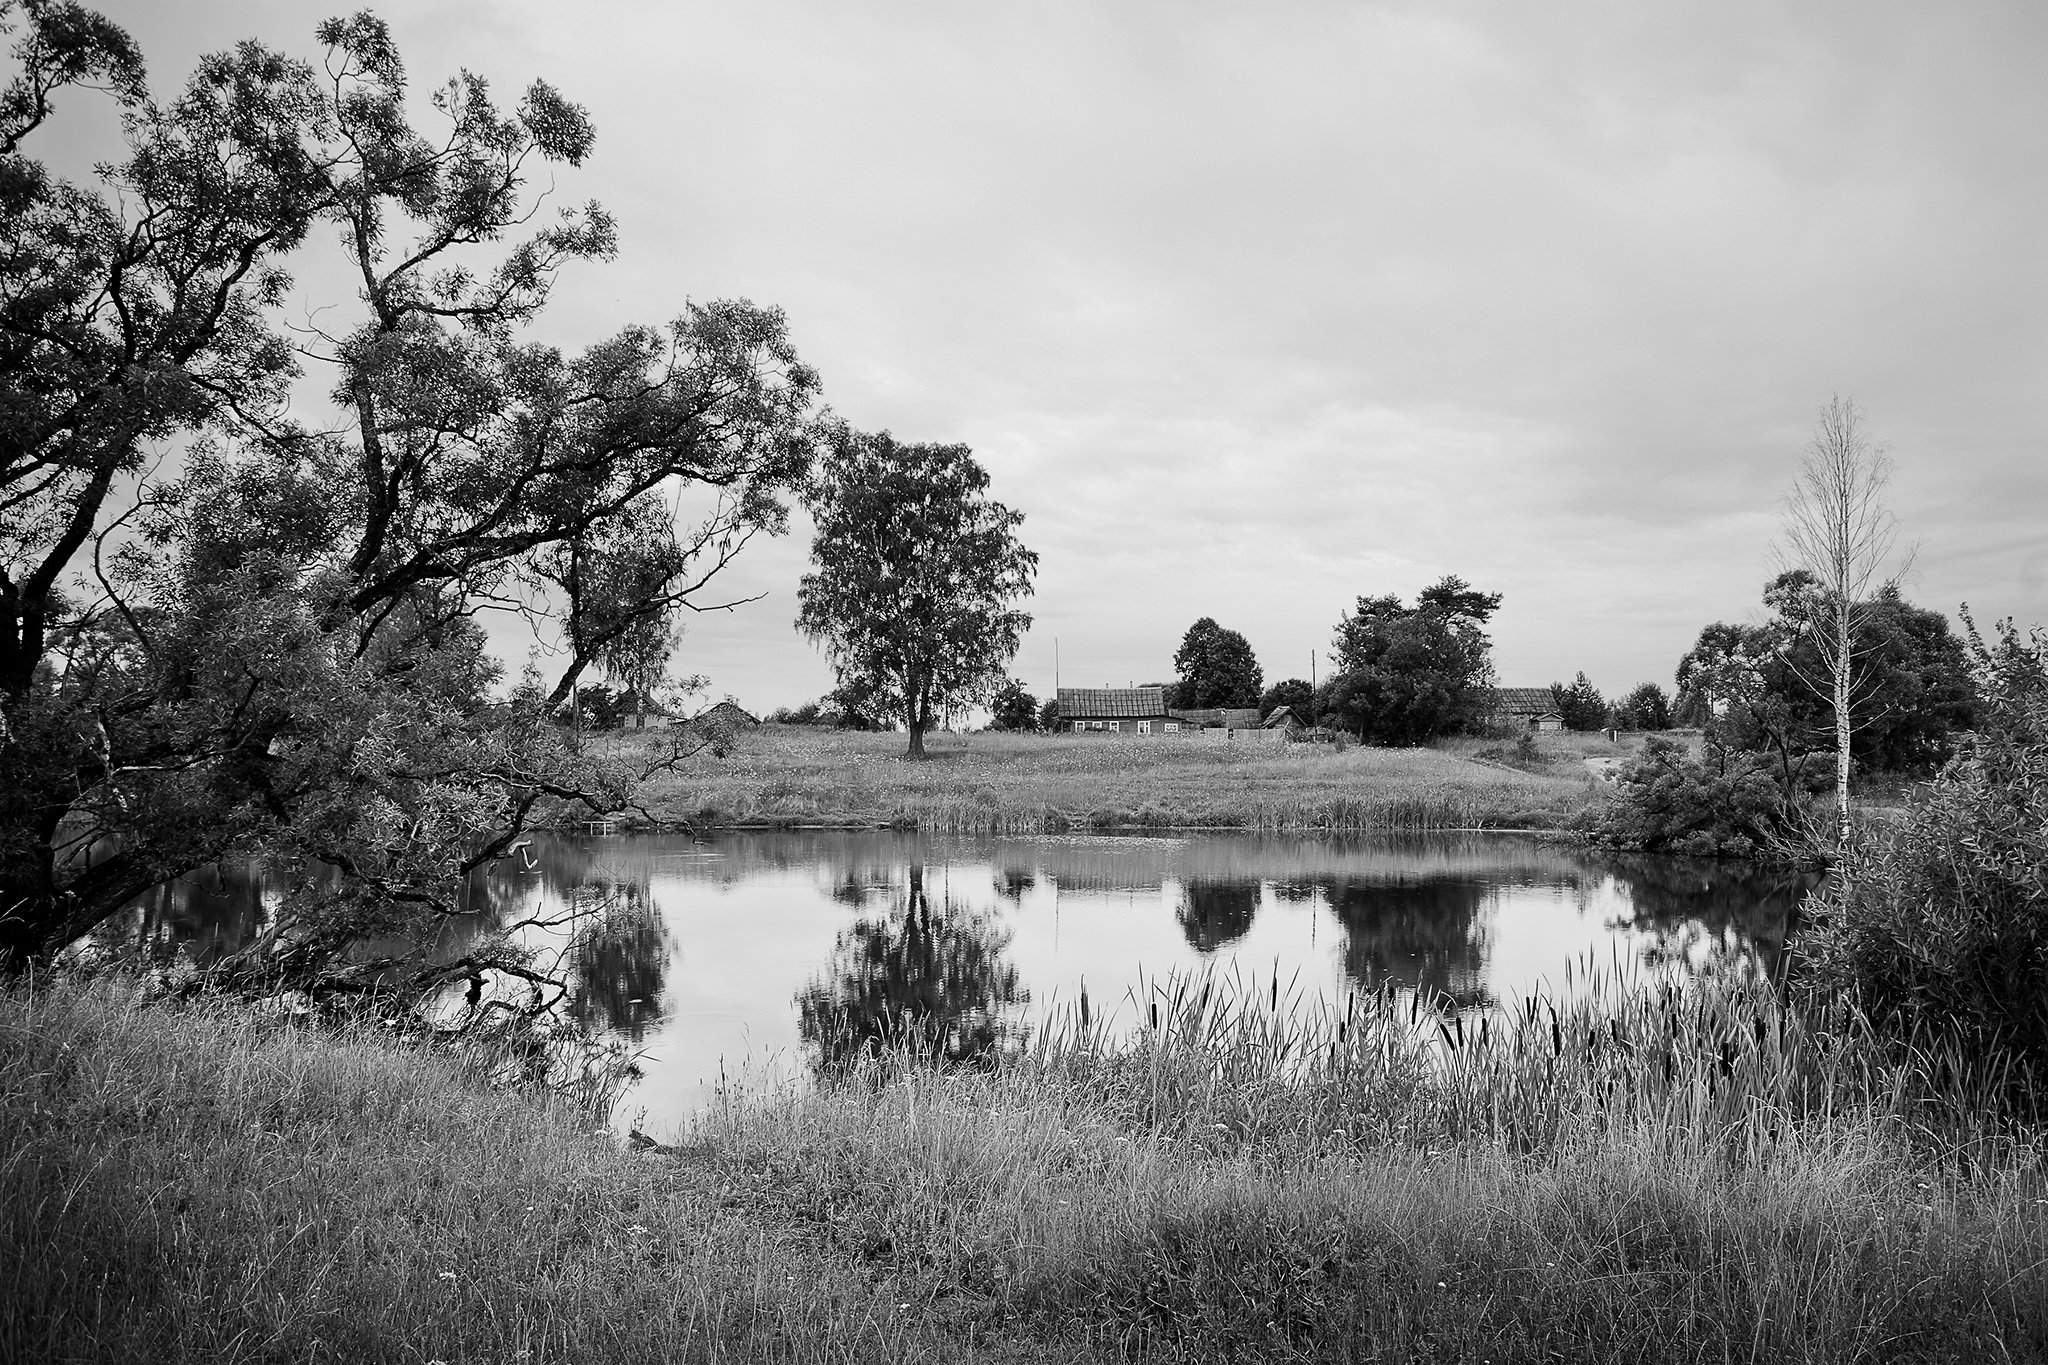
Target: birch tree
[{"x": 1839, "y": 530}]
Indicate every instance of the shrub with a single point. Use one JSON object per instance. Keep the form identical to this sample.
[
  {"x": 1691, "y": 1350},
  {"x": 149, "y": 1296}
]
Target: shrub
[
  {"x": 1938, "y": 924},
  {"x": 1727, "y": 805}
]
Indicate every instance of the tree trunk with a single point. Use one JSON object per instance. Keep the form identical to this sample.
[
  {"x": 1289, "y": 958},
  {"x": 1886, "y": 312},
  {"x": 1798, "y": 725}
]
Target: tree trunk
[
  {"x": 1844, "y": 660},
  {"x": 917, "y": 714},
  {"x": 916, "y": 725}
]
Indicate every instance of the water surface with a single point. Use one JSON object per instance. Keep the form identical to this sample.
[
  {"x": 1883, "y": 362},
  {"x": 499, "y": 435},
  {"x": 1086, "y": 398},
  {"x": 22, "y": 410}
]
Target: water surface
[{"x": 784, "y": 951}]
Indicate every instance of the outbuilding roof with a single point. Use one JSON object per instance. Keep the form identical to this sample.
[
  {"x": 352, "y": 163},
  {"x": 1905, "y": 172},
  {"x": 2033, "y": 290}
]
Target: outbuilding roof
[{"x": 1524, "y": 701}]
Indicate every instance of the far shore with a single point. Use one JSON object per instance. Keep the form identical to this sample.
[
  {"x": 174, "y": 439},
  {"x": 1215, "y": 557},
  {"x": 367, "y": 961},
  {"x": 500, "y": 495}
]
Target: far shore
[{"x": 779, "y": 776}]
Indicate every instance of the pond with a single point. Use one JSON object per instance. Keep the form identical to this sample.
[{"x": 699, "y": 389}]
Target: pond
[{"x": 773, "y": 951}]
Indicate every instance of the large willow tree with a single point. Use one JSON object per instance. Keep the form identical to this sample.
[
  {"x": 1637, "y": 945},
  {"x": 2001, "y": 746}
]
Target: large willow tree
[{"x": 234, "y": 619}]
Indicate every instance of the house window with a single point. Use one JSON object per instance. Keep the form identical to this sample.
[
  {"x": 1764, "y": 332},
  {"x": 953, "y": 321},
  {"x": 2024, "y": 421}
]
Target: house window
[
  {"x": 1173, "y": 727},
  {"x": 1144, "y": 727},
  {"x": 1079, "y": 726},
  {"x": 1116, "y": 727}
]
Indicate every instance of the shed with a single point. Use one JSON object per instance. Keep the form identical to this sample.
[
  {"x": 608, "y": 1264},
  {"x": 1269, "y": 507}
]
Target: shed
[{"x": 1533, "y": 707}]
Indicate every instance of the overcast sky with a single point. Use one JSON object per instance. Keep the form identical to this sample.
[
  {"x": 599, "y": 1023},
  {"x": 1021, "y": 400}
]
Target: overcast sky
[{"x": 1253, "y": 310}]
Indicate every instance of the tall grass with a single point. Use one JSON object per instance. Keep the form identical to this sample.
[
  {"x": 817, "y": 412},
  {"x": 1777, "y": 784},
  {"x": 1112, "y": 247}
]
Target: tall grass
[
  {"x": 1211, "y": 1170},
  {"x": 1645, "y": 1172},
  {"x": 190, "y": 1182}
]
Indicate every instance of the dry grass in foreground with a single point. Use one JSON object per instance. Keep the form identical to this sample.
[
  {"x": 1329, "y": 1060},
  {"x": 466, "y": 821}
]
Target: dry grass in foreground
[{"x": 1007, "y": 784}]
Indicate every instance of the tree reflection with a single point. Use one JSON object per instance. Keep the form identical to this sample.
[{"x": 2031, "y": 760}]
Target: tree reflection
[
  {"x": 1423, "y": 935},
  {"x": 1012, "y": 883},
  {"x": 1214, "y": 914},
  {"x": 618, "y": 961},
  {"x": 211, "y": 913},
  {"x": 1711, "y": 918},
  {"x": 933, "y": 981}
]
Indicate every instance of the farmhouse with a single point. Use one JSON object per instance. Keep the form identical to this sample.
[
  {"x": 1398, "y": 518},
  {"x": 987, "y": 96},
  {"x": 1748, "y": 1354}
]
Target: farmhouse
[
  {"x": 1119, "y": 710},
  {"x": 1530, "y": 706}
]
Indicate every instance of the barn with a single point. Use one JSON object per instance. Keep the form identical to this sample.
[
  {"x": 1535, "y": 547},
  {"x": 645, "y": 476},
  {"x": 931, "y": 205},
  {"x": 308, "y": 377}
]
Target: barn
[{"x": 1533, "y": 707}]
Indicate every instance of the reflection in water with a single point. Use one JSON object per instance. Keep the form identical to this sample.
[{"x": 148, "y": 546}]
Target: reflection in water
[
  {"x": 1710, "y": 918},
  {"x": 211, "y": 913},
  {"x": 824, "y": 945},
  {"x": 935, "y": 982},
  {"x": 618, "y": 963},
  {"x": 1424, "y": 936},
  {"x": 1214, "y": 915}
]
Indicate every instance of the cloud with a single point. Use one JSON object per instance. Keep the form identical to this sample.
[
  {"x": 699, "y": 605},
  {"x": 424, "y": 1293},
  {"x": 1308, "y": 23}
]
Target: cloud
[{"x": 1255, "y": 310}]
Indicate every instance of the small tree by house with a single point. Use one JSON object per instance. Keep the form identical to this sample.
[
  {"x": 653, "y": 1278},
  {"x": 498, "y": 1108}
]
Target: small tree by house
[
  {"x": 1294, "y": 694},
  {"x": 1013, "y": 708},
  {"x": 1646, "y": 707},
  {"x": 915, "y": 577},
  {"x": 1580, "y": 704},
  {"x": 1216, "y": 667}
]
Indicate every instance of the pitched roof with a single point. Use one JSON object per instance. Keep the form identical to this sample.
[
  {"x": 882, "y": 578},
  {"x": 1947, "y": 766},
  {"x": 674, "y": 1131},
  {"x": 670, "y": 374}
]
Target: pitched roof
[
  {"x": 1111, "y": 703},
  {"x": 1524, "y": 701},
  {"x": 1282, "y": 718}
]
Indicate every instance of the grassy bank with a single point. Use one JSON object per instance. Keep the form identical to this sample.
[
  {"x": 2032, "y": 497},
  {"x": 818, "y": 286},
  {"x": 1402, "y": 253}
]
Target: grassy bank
[
  {"x": 1645, "y": 1176},
  {"x": 1013, "y": 784},
  {"x": 184, "y": 1183}
]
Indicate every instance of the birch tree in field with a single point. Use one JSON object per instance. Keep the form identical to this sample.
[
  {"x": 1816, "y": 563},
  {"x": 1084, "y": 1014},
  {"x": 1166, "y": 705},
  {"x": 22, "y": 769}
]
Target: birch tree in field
[{"x": 1838, "y": 529}]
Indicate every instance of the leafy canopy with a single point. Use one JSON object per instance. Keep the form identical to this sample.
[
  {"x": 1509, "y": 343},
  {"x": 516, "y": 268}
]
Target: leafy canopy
[
  {"x": 1409, "y": 674},
  {"x": 1216, "y": 668},
  {"x": 271, "y": 646},
  {"x": 1910, "y": 682},
  {"x": 1012, "y": 708},
  {"x": 915, "y": 575}
]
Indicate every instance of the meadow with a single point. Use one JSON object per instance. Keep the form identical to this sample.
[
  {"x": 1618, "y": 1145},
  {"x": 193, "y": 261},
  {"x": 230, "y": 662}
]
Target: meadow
[
  {"x": 1649, "y": 1174},
  {"x": 1010, "y": 784}
]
